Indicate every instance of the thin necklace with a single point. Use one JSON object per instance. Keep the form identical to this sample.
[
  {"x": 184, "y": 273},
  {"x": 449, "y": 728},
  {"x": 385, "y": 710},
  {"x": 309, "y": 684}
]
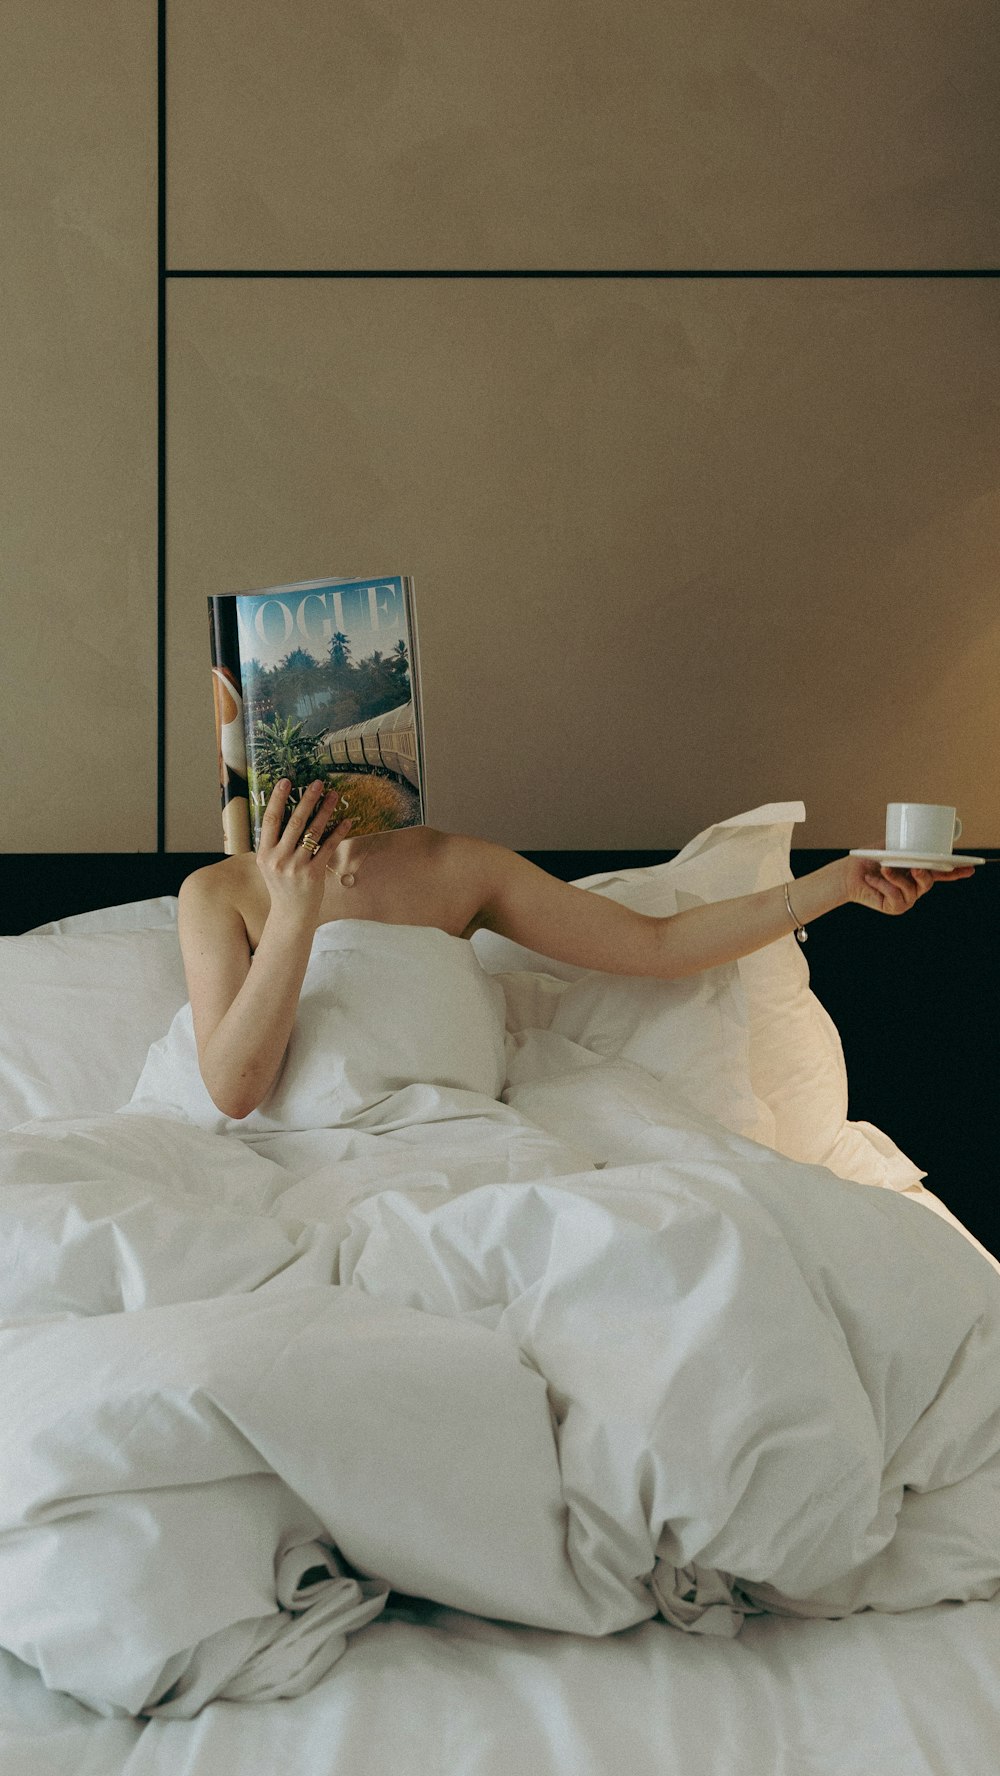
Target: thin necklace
[{"x": 350, "y": 876}]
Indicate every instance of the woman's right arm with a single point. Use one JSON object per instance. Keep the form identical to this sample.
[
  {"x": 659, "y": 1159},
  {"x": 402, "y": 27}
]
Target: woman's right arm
[{"x": 243, "y": 1014}]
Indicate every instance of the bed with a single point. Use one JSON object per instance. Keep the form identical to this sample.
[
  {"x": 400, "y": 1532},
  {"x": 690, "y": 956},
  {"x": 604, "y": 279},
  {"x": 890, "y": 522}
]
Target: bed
[{"x": 595, "y": 1391}]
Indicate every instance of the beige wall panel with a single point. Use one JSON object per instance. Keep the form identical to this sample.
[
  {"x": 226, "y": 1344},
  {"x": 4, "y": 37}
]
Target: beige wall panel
[
  {"x": 680, "y": 548},
  {"x": 78, "y": 441},
  {"x": 576, "y": 133}
]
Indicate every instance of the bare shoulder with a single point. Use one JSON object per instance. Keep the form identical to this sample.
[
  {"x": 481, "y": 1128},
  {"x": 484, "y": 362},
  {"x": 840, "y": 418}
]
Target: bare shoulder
[
  {"x": 217, "y": 900},
  {"x": 437, "y": 878},
  {"x": 515, "y": 898},
  {"x": 441, "y": 877},
  {"x": 222, "y": 881},
  {"x": 417, "y": 842},
  {"x": 449, "y": 849},
  {"x": 449, "y": 855},
  {"x": 475, "y": 872},
  {"x": 462, "y": 859}
]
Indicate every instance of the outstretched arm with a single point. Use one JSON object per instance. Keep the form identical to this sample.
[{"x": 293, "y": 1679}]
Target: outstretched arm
[{"x": 522, "y": 902}]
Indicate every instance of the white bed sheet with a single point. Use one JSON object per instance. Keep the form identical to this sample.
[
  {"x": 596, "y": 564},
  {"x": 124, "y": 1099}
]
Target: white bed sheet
[
  {"x": 455, "y": 1695},
  {"x": 282, "y": 1225},
  {"x": 440, "y": 1690}
]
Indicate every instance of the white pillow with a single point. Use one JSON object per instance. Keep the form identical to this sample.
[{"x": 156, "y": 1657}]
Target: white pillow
[
  {"x": 134, "y": 915},
  {"x": 79, "y": 1015},
  {"x": 797, "y": 1066},
  {"x": 691, "y": 1033},
  {"x": 531, "y": 997},
  {"x": 381, "y": 1007},
  {"x": 795, "y": 1071}
]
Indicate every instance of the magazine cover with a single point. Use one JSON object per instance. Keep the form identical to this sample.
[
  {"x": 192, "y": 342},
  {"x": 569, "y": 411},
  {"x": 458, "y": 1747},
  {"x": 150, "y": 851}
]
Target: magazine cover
[{"x": 318, "y": 679}]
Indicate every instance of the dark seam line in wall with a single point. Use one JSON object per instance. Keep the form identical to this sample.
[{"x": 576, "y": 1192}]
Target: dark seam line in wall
[
  {"x": 161, "y": 425},
  {"x": 593, "y": 272}
]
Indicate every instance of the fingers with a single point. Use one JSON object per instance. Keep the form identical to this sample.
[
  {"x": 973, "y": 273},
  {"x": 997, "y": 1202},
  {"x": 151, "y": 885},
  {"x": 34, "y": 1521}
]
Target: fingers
[
  {"x": 313, "y": 813},
  {"x": 901, "y": 888},
  {"x": 271, "y": 819},
  {"x": 313, "y": 810},
  {"x": 270, "y": 826},
  {"x": 926, "y": 878}
]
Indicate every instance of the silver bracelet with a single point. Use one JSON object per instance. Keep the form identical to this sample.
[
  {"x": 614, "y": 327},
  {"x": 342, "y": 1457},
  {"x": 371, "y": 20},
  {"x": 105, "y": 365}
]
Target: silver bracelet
[{"x": 801, "y": 932}]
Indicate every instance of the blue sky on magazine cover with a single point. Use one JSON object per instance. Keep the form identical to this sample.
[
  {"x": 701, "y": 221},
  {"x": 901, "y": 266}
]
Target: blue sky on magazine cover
[{"x": 273, "y": 623}]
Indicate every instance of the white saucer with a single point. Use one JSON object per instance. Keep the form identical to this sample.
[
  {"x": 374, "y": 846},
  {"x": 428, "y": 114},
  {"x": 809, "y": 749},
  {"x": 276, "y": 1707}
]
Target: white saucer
[{"x": 918, "y": 859}]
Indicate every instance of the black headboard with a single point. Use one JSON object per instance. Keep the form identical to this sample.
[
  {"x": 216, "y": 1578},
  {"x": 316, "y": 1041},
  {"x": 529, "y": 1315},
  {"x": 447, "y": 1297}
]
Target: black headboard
[{"x": 916, "y": 1000}]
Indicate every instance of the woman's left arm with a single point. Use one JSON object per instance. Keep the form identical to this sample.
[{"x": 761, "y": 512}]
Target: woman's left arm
[{"x": 523, "y": 902}]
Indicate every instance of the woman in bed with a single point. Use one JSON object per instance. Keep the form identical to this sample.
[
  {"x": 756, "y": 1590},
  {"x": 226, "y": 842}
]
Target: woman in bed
[{"x": 265, "y": 908}]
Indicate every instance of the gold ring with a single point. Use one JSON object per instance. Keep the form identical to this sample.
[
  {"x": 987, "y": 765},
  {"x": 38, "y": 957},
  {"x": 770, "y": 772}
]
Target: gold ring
[{"x": 311, "y": 844}]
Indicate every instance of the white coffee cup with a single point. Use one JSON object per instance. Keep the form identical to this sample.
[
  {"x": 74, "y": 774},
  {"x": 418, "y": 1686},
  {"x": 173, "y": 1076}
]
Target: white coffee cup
[{"x": 924, "y": 829}]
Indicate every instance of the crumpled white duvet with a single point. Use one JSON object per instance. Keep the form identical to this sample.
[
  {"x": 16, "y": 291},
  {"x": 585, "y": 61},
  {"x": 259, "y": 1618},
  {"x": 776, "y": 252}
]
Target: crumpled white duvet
[{"x": 251, "y": 1386}]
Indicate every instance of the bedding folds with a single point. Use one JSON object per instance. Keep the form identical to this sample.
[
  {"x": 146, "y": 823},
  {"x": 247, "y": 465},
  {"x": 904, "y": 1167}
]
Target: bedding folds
[{"x": 573, "y": 1360}]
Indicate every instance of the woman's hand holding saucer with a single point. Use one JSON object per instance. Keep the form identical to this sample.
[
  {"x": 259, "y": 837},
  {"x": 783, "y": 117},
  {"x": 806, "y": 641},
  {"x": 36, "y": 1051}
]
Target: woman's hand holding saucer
[{"x": 886, "y": 889}]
